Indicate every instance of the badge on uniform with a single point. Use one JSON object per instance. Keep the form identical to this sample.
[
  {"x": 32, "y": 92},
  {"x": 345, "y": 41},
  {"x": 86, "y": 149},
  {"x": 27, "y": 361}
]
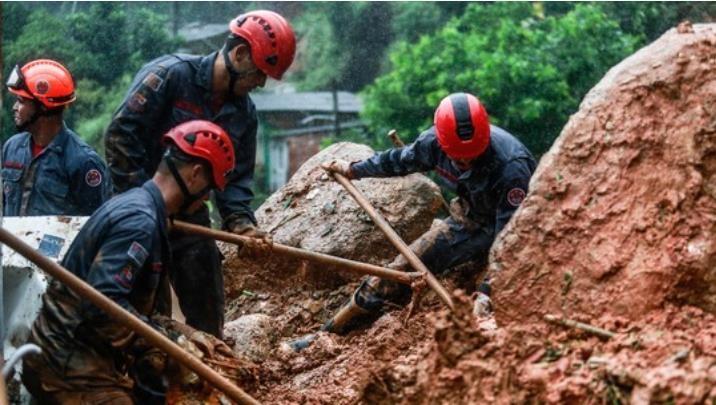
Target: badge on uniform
[
  {"x": 137, "y": 253},
  {"x": 153, "y": 81},
  {"x": 93, "y": 178},
  {"x": 515, "y": 196},
  {"x": 125, "y": 276},
  {"x": 136, "y": 102}
]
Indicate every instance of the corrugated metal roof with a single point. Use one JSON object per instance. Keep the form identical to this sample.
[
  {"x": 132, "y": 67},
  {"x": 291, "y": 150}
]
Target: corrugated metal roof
[{"x": 317, "y": 101}]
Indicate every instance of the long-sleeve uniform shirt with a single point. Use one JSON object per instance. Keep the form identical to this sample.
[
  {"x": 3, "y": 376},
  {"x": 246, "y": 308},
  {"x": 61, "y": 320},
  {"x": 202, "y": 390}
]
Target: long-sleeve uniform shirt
[
  {"x": 489, "y": 193},
  {"x": 121, "y": 251},
  {"x": 166, "y": 92},
  {"x": 67, "y": 178}
]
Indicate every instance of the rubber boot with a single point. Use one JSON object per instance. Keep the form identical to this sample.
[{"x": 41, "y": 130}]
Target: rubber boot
[{"x": 337, "y": 324}]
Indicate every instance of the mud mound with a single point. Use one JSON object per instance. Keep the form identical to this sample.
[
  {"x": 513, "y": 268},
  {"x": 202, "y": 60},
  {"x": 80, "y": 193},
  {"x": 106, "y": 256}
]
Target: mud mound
[
  {"x": 622, "y": 209},
  {"x": 616, "y": 233},
  {"x": 669, "y": 356}
]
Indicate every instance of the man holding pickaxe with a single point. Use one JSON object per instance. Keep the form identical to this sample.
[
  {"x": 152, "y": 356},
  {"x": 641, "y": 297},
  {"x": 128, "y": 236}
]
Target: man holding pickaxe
[
  {"x": 123, "y": 252},
  {"x": 176, "y": 88},
  {"x": 487, "y": 167}
]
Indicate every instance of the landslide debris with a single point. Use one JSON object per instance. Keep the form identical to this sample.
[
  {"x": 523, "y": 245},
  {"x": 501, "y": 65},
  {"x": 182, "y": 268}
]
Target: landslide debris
[{"x": 617, "y": 232}]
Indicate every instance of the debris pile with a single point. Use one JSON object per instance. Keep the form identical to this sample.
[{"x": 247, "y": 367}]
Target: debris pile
[{"x": 616, "y": 233}]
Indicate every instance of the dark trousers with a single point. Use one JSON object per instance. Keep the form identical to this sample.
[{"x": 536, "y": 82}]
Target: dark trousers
[
  {"x": 445, "y": 246},
  {"x": 197, "y": 278}
]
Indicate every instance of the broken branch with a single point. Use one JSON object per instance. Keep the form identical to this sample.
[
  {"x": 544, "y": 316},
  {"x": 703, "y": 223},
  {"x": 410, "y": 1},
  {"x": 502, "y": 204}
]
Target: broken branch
[{"x": 579, "y": 325}]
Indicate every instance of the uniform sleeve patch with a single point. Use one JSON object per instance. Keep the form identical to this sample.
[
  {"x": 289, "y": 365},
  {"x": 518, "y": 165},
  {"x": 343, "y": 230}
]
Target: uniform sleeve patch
[
  {"x": 515, "y": 196},
  {"x": 137, "y": 253},
  {"x": 93, "y": 178},
  {"x": 153, "y": 81},
  {"x": 125, "y": 276},
  {"x": 137, "y": 102}
]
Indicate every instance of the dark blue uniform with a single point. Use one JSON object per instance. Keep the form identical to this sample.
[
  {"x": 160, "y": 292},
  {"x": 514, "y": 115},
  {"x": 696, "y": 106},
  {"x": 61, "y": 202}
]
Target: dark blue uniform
[
  {"x": 488, "y": 194},
  {"x": 168, "y": 91},
  {"x": 67, "y": 178},
  {"x": 121, "y": 251}
]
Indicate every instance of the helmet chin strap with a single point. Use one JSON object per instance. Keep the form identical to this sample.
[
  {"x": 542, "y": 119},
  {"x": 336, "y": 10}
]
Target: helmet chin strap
[
  {"x": 189, "y": 198},
  {"x": 234, "y": 75}
]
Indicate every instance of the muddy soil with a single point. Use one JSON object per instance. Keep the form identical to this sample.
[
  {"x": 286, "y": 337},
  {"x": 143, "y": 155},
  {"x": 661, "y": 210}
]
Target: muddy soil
[
  {"x": 617, "y": 233},
  {"x": 376, "y": 363},
  {"x": 668, "y": 356}
]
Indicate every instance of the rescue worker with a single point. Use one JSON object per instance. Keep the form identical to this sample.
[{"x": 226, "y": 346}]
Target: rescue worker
[
  {"x": 488, "y": 169},
  {"x": 47, "y": 169},
  {"x": 123, "y": 252},
  {"x": 175, "y": 88}
]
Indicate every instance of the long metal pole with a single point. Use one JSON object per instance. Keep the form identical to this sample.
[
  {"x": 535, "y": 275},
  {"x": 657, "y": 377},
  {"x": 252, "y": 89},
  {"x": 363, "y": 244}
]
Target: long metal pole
[
  {"x": 86, "y": 291},
  {"x": 321, "y": 258},
  {"x": 395, "y": 239}
]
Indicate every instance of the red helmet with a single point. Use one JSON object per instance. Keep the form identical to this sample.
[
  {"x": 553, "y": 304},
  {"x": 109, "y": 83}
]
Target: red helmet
[
  {"x": 44, "y": 80},
  {"x": 462, "y": 126},
  {"x": 273, "y": 44},
  {"x": 207, "y": 141}
]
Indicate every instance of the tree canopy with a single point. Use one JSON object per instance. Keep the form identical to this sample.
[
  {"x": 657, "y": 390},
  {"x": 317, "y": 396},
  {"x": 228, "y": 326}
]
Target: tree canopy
[
  {"x": 529, "y": 70},
  {"x": 101, "y": 45}
]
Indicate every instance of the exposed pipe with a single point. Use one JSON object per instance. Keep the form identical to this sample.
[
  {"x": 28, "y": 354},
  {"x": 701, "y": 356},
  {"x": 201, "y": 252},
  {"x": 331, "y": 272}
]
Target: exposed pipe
[
  {"x": 21, "y": 351},
  {"x": 320, "y": 258},
  {"x": 86, "y": 291},
  {"x": 395, "y": 239}
]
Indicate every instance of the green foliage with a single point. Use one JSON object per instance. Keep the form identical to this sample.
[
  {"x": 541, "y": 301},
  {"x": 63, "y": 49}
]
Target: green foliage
[
  {"x": 323, "y": 58},
  {"x": 103, "y": 45},
  {"x": 349, "y": 40},
  {"x": 34, "y": 42},
  {"x": 96, "y": 105},
  {"x": 347, "y": 43},
  {"x": 413, "y": 19},
  {"x": 530, "y": 71},
  {"x": 649, "y": 20}
]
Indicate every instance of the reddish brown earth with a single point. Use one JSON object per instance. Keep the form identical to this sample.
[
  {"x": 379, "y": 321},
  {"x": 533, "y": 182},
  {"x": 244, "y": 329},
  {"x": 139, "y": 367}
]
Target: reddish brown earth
[{"x": 617, "y": 232}]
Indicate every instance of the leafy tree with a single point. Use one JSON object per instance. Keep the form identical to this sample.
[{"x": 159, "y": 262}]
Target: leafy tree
[
  {"x": 103, "y": 36},
  {"x": 411, "y": 19},
  {"x": 102, "y": 44},
  {"x": 649, "y": 20},
  {"x": 347, "y": 40},
  {"x": 530, "y": 71}
]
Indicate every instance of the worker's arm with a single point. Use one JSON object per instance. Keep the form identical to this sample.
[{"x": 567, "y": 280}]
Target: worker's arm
[
  {"x": 128, "y": 250},
  {"x": 234, "y": 202},
  {"x": 510, "y": 190},
  {"x": 419, "y": 156},
  {"x": 133, "y": 134},
  {"x": 91, "y": 185}
]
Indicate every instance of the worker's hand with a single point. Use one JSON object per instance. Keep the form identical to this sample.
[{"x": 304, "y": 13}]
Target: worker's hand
[
  {"x": 210, "y": 345},
  {"x": 181, "y": 373},
  {"x": 202, "y": 346},
  {"x": 260, "y": 243},
  {"x": 149, "y": 366},
  {"x": 339, "y": 166}
]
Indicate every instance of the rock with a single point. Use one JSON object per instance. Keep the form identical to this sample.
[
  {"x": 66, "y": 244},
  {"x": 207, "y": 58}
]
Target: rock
[
  {"x": 253, "y": 336},
  {"x": 315, "y": 213},
  {"x": 621, "y": 212}
]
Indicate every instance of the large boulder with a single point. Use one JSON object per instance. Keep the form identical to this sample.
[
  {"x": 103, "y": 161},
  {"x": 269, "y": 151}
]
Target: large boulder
[
  {"x": 621, "y": 212},
  {"x": 314, "y": 212}
]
